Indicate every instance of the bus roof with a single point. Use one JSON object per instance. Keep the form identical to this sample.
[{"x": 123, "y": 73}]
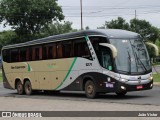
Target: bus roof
[{"x": 109, "y": 33}]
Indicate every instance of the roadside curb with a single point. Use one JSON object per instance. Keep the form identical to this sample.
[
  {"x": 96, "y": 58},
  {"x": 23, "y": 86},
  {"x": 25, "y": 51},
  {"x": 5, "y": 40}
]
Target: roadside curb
[{"x": 156, "y": 83}]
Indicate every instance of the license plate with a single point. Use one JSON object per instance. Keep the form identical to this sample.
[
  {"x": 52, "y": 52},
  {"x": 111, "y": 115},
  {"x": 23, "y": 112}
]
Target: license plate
[
  {"x": 108, "y": 85},
  {"x": 140, "y": 87}
]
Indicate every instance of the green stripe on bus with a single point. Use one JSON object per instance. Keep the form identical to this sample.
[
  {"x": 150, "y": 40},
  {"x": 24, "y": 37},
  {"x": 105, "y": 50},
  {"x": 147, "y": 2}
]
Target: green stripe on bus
[
  {"x": 86, "y": 37},
  {"x": 29, "y": 68},
  {"x": 67, "y": 74}
]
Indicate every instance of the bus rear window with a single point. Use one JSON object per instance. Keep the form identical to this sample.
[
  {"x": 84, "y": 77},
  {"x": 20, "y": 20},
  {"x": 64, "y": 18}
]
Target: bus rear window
[{"x": 6, "y": 55}]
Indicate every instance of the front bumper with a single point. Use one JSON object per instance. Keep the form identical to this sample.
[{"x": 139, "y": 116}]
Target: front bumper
[{"x": 120, "y": 87}]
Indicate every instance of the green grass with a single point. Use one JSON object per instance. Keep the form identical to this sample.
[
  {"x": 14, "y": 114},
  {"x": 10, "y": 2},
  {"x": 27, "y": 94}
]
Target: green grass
[
  {"x": 155, "y": 63},
  {"x": 156, "y": 77}
]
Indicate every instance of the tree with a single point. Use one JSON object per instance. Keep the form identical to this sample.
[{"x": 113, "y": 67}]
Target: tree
[
  {"x": 7, "y": 37},
  {"x": 145, "y": 29},
  {"x": 57, "y": 28},
  {"x": 119, "y": 23},
  {"x": 87, "y": 28},
  {"x": 28, "y": 17}
]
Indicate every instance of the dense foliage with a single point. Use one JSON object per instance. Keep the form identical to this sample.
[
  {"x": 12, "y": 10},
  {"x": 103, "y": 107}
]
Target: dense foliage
[{"x": 143, "y": 27}]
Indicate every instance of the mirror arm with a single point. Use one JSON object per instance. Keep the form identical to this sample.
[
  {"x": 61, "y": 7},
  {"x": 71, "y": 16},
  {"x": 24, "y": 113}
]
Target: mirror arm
[{"x": 112, "y": 47}]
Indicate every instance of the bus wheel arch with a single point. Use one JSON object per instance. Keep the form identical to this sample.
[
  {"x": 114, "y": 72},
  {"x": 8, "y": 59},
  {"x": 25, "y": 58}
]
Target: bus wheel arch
[
  {"x": 19, "y": 86},
  {"x": 27, "y": 86}
]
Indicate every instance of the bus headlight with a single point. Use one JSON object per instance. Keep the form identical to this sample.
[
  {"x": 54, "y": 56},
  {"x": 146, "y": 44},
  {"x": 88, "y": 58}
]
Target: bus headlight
[{"x": 151, "y": 78}]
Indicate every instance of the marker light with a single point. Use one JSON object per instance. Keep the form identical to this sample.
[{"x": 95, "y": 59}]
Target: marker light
[{"x": 109, "y": 79}]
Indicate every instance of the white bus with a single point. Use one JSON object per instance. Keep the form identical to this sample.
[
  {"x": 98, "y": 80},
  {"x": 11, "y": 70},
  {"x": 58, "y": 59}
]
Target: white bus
[{"x": 94, "y": 61}]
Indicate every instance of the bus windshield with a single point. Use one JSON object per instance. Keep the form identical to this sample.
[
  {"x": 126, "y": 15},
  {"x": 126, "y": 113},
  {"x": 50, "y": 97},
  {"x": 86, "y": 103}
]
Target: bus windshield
[{"x": 132, "y": 56}]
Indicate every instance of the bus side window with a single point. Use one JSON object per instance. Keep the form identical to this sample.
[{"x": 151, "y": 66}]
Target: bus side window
[
  {"x": 22, "y": 54},
  {"x": 96, "y": 40},
  {"x": 67, "y": 49},
  {"x": 28, "y": 57},
  {"x": 14, "y": 55},
  {"x": 81, "y": 49},
  {"x": 40, "y": 53},
  {"x": 36, "y": 53},
  {"x": 54, "y": 50},
  {"x": 33, "y": 54},
  {"x": 49, "y": 51},
  {"x": 59, "y": 50}
]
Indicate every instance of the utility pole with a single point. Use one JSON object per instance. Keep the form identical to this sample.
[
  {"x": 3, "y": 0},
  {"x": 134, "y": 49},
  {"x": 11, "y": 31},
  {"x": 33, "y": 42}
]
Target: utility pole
[
  {"x": 135, "y": 21},
  {"x": 81, "y": 15}
]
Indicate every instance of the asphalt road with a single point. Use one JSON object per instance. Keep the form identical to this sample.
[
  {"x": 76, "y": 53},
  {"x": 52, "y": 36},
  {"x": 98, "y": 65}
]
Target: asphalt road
[{"x": 148, "y": 97}]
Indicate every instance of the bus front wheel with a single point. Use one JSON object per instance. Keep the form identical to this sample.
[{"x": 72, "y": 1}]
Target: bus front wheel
[
  {"x": 19, "y": 87},
  {"x": 90, "y": 89},
  {"x": 28, "y": 88}
]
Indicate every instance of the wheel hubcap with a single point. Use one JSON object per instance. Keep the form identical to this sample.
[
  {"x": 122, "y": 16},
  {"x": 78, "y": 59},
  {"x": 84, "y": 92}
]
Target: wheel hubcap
[
  {"x": 90, "y": 89},
  {"x": 19, "y": 87},
  {"x": 28, "y": 88}
]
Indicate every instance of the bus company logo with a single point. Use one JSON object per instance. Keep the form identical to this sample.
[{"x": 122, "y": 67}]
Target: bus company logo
[
  {"x": 18, "y": 67},
  {"x": 6, "y": 114}
]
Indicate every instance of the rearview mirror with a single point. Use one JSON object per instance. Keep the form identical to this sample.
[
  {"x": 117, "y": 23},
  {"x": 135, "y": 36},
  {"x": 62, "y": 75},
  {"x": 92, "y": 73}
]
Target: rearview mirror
[{"x": 111, "y": 47}]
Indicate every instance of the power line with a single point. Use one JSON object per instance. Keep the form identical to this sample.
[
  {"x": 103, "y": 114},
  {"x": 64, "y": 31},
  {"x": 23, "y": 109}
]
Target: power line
[
  {"x": 111, "y": 8},
  {"x": 116, "y": 14},
  {"x": 87, "y": 15}
]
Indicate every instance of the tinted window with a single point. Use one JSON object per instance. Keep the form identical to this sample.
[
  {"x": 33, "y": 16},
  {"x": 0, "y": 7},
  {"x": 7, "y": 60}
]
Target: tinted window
[
  {"x": 36, "y": 53},
  {"x": 22, "y": 54},
  {"x": 28, "y": 54},
  {"x": 59, "y": 50},
  {"x": 6, "y": 55},
  {"x": 67, "y": 49},
  {"x": 49, "y": 51},
  {"x": 96, "y": 40},
  {"x": 14, "y": 55},
  {"x": 81, "y": 49}
]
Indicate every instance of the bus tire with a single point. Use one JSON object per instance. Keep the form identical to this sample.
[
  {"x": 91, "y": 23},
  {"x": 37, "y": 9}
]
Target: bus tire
[
  {"x": 19, "y": 87},
  {"x": 90, "y": 89},
  {"x": 28, "y": 88},
  {"x": 121, "y": 94}
]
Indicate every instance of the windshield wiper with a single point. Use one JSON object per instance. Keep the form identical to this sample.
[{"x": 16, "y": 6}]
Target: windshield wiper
[
  {"x": 129, "y": 57},
  {"x": 140, "y": 61}
]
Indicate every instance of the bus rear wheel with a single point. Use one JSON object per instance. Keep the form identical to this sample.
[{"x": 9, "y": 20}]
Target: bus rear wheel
[
  {"x": 28, "y": 88},
  {"x": 90, "y": 89},
  {"x": 19, "y": 87}
]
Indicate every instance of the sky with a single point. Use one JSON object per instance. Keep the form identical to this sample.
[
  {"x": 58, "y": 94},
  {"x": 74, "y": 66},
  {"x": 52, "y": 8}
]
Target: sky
[{"x": 96, "y": 12}]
